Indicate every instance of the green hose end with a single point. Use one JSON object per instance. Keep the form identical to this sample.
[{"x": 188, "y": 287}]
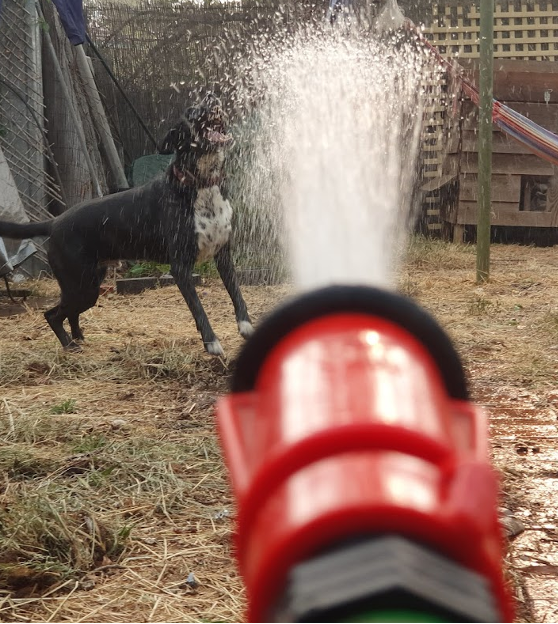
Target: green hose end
[{"x": 393, "y": 615}]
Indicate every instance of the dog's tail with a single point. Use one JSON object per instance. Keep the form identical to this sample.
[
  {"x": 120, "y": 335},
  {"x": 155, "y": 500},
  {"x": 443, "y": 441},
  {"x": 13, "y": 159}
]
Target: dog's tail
[{"x": 19, "y": 231}]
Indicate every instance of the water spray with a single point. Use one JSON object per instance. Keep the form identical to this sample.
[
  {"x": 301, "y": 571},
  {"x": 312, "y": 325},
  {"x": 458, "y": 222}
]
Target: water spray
[
  {"x": 358, "y": 462},
  {"x": 360, "y": 468}
]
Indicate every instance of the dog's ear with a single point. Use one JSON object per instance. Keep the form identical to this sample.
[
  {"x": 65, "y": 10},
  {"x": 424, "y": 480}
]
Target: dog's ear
[
  {"x": 177, "y": 138},
  {"x": 167, "y": 145},
  {"x": 194, "y": 114}
]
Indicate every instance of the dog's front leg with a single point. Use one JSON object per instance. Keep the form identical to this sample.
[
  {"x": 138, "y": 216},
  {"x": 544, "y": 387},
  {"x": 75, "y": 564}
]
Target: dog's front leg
[
  {"x": 226, "y": 269},
  {"x": 183, "y": 278}
]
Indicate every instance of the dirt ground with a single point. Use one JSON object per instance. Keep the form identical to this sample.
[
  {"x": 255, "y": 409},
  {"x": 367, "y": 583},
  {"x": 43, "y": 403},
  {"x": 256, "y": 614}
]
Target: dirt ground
[{"x": 114, "y": 503}]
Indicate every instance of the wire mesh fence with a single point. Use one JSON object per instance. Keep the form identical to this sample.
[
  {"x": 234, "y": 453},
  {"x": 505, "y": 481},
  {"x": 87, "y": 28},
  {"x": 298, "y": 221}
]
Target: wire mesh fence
[
  {"x": 21, "y": 107},
  {"x": 43, "y": 168},
  {"x": 162, "y": 53}
]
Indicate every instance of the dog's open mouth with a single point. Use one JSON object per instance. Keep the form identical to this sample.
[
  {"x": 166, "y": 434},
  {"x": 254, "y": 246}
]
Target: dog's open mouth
[
  {"x": 214, "y": 122},
  {"x": 217, "y": 137}
]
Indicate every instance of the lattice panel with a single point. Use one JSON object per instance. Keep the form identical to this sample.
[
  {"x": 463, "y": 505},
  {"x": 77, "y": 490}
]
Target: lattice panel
[{"x": 522, "y": 31}]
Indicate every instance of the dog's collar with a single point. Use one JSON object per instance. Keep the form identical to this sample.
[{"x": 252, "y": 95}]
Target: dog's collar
[{"x": 187, "y": 178}]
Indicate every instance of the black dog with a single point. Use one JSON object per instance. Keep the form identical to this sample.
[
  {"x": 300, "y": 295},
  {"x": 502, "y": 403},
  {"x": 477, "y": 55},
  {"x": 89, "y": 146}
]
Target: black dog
[{"x": 178, "y": 218}]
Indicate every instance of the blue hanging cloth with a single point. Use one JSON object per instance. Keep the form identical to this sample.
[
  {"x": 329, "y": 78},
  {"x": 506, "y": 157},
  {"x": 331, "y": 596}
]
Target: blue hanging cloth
[
  {"x": 339, "y": 9},
  {"x": 73, "y": 21}
]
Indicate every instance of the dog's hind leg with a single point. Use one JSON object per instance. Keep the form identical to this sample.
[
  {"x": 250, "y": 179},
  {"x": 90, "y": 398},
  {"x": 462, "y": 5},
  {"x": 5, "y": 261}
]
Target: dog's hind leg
[
  {"x": 77, "y": 334},
  {"x": 79, "y": 288},
  {"x": 227, "y": 272},
  {"x": 55, "y": 318},
  {"x": 70, "y": 308},
  {"x": 183, "y": 278},
  {"x": 73, "y": 319}
]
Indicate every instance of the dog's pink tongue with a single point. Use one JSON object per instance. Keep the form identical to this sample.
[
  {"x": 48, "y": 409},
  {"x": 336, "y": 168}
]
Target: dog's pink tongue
[{"x": 218, "y": 137}]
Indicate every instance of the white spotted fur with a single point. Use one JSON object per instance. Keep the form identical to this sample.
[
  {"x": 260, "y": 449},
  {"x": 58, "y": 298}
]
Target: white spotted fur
[{"x": 212, "y": 218}]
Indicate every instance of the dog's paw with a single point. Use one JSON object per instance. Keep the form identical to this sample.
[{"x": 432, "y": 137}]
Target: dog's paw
[
  {"x": 245, "y": 328},
  {"x": 214, "y": 348},
  {"x": 73, "y": 346}
]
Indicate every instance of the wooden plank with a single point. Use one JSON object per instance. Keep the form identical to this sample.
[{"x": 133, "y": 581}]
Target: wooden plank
[
  {"x": 526, "y": 50},
  {"x": 516, "y": 53},
  {"x": 519, "y": 81},
  {"x": 437, "y": 182},
  {"x": 505, "y": 188},
  {"x": 504, "y": 214},
  {"x": 501, "y": 143},
  {"x": 450, "y": 165},
  {"x": 453, "y": 31},
  {"x": 527, "y": 164},
  {"x": 458, "y": 233}
]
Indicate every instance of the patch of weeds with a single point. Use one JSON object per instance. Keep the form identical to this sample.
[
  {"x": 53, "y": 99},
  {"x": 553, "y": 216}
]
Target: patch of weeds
[
  {"x": 408, "y": 287},
  {"x": 43, "y": 24},
  {"x": 481, "y": 306},
  {"x": 47, "y": 536},
  {"x": 90, "y": 443},
  {"x": 19, "y": 462},
  {"x": 206, "y": 269},
  {"x": 18, "y": 366},
  {"x": 67, "y": 525},
  {"x": 550, "y": 322},
  {"x": 98, "y": 478},
  {"x": 169, "y": 362},
  {"x": 146, "y": 451},
  {"x": 208, "y": 449},
  {"x": 147, "y": 269},
  {"x": 30, "y": 577},
  {"x": 156, "y": 471},
  {"x": 538, "y": 367},
  {"x": 120, "y": 540},
  {"x": 423, "y": 252},
  {"x": 67, "y": 366},
  {"x": 67, "y": 406},
  {"x": 17, "y": 426}
]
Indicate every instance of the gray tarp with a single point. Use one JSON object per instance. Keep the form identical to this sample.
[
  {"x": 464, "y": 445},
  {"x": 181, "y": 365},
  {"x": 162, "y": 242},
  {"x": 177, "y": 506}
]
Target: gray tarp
[{"x": 12, "y": 253}]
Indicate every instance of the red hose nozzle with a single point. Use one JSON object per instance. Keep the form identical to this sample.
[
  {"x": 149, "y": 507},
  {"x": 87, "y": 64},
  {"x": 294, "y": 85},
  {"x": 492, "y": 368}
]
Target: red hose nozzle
[{"x": 349, "y": 418}]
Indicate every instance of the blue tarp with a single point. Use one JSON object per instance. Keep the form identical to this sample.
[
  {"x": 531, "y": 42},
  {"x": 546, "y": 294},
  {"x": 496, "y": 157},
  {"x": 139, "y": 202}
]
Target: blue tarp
[{"x": 71, "y": 16}]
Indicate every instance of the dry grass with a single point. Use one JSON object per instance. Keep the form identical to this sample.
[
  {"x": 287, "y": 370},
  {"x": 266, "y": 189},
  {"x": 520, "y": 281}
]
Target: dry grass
[
  {"x": 114, "y": 503},
  {"x": 113, "y": 489}
]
